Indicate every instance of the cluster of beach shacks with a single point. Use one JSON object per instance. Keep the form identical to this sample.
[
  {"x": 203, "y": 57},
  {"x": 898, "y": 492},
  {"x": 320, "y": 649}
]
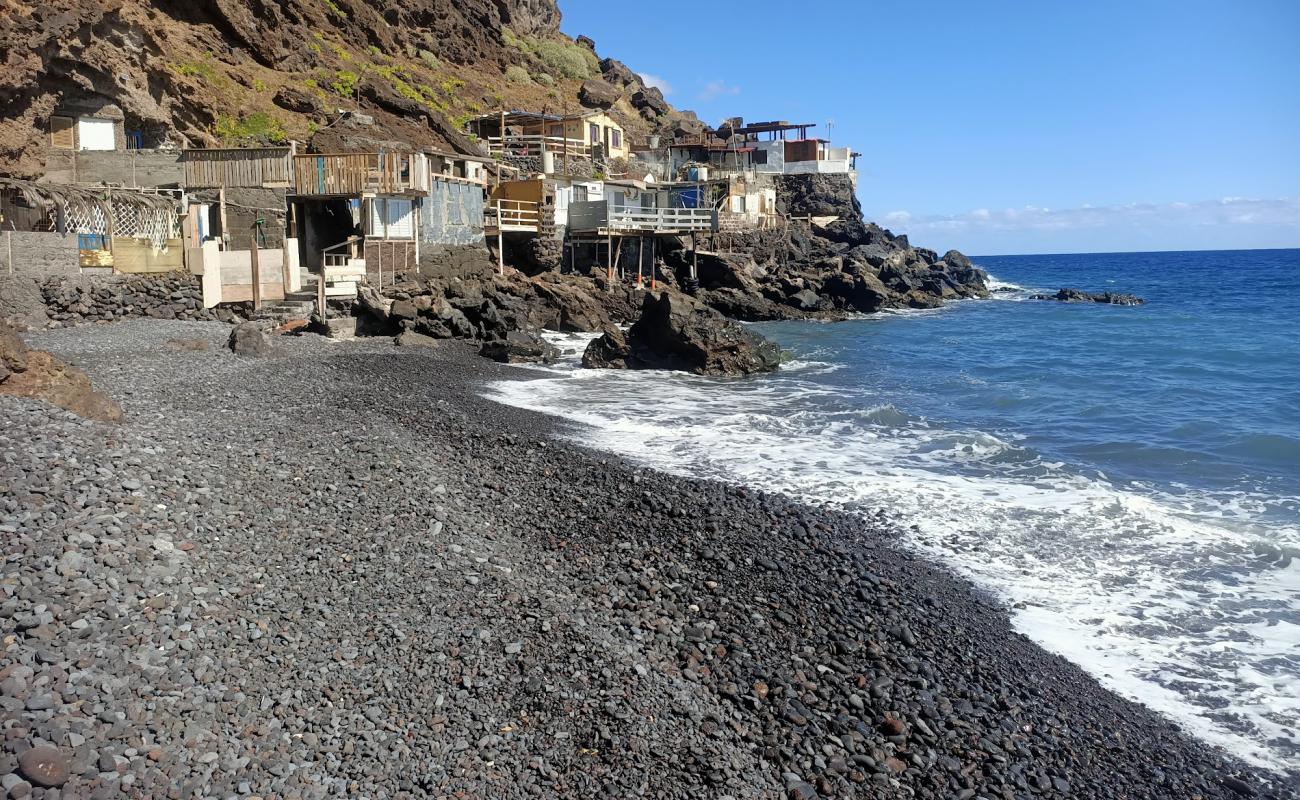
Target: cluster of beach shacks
[{"x": 260, "y": 223}]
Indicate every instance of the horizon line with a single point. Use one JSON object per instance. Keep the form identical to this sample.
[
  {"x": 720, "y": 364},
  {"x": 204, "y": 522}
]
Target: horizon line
[{"x": 1136, "y": 252}]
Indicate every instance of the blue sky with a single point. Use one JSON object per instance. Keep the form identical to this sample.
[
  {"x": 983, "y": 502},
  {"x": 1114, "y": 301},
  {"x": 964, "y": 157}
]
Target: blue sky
[{"x": 1009, "y": 127}]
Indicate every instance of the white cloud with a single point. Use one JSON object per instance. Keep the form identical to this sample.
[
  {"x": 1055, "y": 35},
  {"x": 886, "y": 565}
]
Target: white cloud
[
  {"x": 656, "y": 82},
  {"x": 715, "y": 89},
  {"x": 1283, "y": 212}
]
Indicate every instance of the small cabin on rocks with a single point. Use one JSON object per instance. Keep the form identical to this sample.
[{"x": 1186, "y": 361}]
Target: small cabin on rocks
[
  {"x": 583, "y": 145},
  {"x": 238, "y": 234},
  {"x": 50, "y": 229}
]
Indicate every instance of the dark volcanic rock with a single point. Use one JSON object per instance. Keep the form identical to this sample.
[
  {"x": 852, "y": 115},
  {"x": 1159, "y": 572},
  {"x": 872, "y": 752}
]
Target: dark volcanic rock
[
  {"x": 352, "y": 574},
  {"x": 1080, "y": 296},
  {"x": 676, "y": 332},
  {"x": 519, "y": 347},
  {"x": 44, "y": 766},
  {"x": 249, "y": 339},
  {"x": 610, "y": 351},
  {"x": 39, "y": 375},
  {"x": 598, "y": 94}
]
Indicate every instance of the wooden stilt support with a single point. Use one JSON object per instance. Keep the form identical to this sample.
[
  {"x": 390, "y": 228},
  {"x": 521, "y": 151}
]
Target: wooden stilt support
[
  {"x": 501, "y": 251},
  {"x": 640, "y": 243},
  {"x": 257, "y": 270},
  {"x": 609, "y": 261},
  {"x": 695, "y": 258},
  {"x": 654, "y": 269}
]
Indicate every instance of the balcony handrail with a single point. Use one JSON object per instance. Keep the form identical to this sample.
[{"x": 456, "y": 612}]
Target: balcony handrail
[{"x": 515, "y": 143}]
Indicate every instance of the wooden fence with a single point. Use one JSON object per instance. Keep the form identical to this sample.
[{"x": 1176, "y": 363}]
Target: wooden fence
[
  {"x": 357, "y": 173},
  {"x": 266, "y": 167}
]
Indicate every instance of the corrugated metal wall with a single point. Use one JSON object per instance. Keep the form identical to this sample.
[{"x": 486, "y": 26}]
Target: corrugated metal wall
[{"x": 452, "y": 213}]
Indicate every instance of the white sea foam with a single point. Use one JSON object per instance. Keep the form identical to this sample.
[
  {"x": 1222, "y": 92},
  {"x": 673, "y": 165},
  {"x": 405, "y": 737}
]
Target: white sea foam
[{"x": 1161, "y": 596}]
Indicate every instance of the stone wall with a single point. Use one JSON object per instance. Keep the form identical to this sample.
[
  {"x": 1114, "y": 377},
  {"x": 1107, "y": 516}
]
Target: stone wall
[
  {"x": 177, "y": 295},
  {"x": 578, "y": 166},
  {"x": 456, "y": 262},
  {"x": 38, "y": 254}
]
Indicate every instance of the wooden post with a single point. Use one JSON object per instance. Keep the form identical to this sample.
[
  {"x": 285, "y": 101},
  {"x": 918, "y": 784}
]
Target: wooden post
[
  {"x": 256, "y": 269},
  {"x": 640, "y": 244},
  {"x": 503, "y": 136},
  {"x": 501, "y": 249},
  {"x": 695, "y": 258},
  {"x": 9, "y": 245},
  {"x": 609, "y": 260},
  {"x": 225, "y": 232},
  {"x": 320, "y": 294},
  {"x": 654, "y": 268}
]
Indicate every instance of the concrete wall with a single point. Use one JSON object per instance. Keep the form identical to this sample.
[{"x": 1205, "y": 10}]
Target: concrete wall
[
  {"x": 38, "y": 255},
  {"x": 149, "y": 169},
  {"x": 452, "y": 214},
  {"x": 243, "y": 206}
]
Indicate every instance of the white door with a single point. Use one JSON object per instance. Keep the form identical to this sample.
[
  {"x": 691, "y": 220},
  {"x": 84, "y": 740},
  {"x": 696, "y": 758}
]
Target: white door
[{"x": 96, "y": 134}]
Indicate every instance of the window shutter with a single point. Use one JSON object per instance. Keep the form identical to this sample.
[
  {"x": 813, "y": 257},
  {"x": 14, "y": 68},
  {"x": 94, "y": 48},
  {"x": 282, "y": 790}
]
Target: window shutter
[{"x": 61, "y": 133}]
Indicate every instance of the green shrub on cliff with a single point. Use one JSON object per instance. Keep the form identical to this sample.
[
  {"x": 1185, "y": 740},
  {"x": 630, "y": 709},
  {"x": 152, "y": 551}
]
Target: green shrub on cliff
[
  {"x": 345, "y": 83},
  {"x": 258, "y": 128},
  {"x": 568, "y": 59},
  {"x": 517, "y": 74}
]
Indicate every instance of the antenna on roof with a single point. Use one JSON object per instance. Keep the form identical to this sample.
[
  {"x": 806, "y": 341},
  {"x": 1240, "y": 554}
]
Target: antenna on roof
[{"x": 830, "y": 123}]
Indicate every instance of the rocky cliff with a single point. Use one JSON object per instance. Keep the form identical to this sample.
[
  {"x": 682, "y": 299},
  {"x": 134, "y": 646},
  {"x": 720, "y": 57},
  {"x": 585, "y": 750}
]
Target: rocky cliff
[{"x": 240, "y": 72}]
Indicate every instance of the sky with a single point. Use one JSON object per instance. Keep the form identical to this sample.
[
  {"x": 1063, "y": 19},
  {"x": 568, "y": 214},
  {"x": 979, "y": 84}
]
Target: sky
[{"x": 1005, "y": 126}]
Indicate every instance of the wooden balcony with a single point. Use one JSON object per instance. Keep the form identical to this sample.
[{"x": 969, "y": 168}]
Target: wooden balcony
[
  {"x": 602, "y": 218},
  {"x": 514, "y": 216},
  {"x": 525, "y": 146},
  {"x": 356, "y": 174},
  {"x": 251, "y": 167}
]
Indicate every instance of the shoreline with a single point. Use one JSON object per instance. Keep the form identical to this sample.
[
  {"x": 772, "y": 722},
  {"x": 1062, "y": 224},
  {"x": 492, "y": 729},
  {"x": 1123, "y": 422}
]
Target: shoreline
[{"x": 581, "y": 625}]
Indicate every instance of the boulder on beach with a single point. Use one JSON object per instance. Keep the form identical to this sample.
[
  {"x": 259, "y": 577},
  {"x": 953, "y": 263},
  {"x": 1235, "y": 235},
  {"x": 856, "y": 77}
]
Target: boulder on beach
[
  {"x": 1080, "y": 296},
  {"x": 38, "y": 375},
  {"x": 678, "y": 332},
  {"x": 520, "y": 347},
  {"x": 249, "y": 339}
]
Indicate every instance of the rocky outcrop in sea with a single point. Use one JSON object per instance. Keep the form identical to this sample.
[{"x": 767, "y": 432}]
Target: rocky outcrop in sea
[{"x": 1080, "y": 296}]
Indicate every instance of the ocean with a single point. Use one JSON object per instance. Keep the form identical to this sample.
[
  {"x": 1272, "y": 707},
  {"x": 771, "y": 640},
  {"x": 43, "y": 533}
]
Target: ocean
[{"x": 1125, "y": 479}]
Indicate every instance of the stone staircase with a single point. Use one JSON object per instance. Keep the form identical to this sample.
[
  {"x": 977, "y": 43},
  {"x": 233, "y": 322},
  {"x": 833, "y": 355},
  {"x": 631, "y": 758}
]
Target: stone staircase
[{"x": 295, "y": 305}]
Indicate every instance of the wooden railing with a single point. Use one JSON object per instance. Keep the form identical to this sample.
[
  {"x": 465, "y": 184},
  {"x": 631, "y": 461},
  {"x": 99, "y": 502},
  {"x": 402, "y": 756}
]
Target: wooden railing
[
  {"x": 250, "y": 167},
  {"x": 514, "y": 215},
  {"x": 536, "y": 145},
  {"x": 357, "y": 173},
  {"x": 337, "y": 255},
  {"x": 598, "y": 216}
]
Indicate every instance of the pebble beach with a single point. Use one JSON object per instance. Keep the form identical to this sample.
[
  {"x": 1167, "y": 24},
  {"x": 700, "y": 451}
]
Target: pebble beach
[{"x": 338, "y": 571}]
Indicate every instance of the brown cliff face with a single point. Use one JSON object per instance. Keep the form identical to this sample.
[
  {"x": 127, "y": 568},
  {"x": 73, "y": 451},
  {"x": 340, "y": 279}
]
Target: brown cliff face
[{"x": 244, "y": 72}]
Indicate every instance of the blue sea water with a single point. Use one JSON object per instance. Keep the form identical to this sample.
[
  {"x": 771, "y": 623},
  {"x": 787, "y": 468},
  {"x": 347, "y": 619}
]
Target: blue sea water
[{"x": 1126, "y": 479}]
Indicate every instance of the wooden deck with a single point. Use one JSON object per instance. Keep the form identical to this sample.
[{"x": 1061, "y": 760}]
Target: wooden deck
[
  {"x": 355, "y": 174},
  {"x": 598, "y": 217}
]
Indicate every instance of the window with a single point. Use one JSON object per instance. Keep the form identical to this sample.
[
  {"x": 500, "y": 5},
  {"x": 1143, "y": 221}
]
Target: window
[
  {"x": 615, "y": 138},
  {"x": 391, "y": 218},
  {"x": 593, "y": 133}
]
